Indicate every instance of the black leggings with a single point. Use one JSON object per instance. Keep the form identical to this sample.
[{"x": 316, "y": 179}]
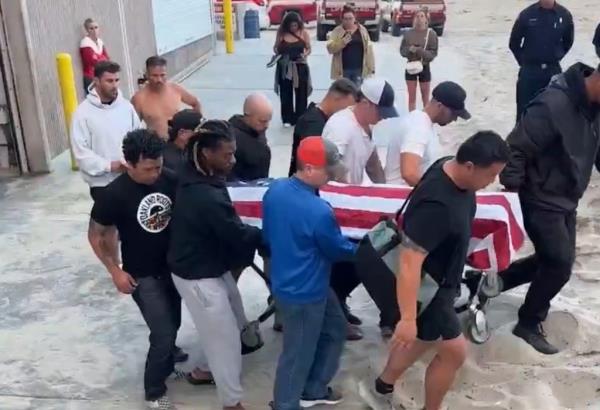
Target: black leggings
[{"x": 289, "y": 115}]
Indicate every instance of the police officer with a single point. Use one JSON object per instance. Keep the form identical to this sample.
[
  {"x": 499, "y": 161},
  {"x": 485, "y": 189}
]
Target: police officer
[{"x": 542, "y": 35}]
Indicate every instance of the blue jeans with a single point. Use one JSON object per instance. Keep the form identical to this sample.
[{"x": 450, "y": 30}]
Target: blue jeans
[
  {"x": 313, "y": 339},
  {"x": 354, "y": 75}
]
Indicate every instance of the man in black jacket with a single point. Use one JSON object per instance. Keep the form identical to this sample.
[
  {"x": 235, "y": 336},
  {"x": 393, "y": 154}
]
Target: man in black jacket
[
  {"x": 253, "y": 155},
  {"x": 541, "y": 36},
  {"x": 554, "y": 149},
  {"x": 181, "y": 128},
  {"x": 208, "y": 241}
]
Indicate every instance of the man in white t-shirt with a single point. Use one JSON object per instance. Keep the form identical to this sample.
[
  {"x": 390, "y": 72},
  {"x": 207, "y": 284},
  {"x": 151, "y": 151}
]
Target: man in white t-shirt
[
  {"x": 415, "y": 146},
  {"x": 350, "y": 130}
]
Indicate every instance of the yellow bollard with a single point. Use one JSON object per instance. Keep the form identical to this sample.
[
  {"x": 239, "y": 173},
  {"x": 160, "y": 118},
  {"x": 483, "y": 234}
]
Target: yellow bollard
[
  {"x": 66, "y": 80},
  {"x": 228, "y": 23}
]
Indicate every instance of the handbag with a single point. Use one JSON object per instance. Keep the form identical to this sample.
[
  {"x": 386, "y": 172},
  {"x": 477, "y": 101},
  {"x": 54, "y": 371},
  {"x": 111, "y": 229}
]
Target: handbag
[
  {"x": 380, "y": 248},
  {"x": 416, "y": 67}
]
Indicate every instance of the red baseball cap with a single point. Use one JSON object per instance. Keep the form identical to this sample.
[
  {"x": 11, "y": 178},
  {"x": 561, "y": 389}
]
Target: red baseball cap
[{"x": 320, "y": 152}]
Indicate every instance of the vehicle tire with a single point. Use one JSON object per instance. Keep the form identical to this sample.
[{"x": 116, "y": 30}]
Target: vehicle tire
[
  {"x": 375, "y": 34},
  {"x": 396, "y": 30},
  {"x": 322, "y": 32},
  {"x": 439, "y": 31}
]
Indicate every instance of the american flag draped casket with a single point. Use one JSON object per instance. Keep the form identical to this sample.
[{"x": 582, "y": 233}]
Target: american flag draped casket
[{"x": 497, "y": 232}]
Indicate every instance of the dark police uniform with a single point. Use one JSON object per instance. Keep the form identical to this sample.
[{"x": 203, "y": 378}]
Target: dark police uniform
[{"x": 539, "y": 39}]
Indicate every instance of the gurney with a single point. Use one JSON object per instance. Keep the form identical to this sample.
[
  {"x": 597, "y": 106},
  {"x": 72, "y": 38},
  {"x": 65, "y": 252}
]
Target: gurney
[{"x": 497, "y": 234}]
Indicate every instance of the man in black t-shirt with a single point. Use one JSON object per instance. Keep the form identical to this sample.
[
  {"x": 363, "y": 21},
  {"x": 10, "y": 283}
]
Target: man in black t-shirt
[
  {"x": 596, "y": 40},
  {"x": 342, "y": 94},
  {"x": 436, "y": 233},
  {"x": 138, "y": 205}
]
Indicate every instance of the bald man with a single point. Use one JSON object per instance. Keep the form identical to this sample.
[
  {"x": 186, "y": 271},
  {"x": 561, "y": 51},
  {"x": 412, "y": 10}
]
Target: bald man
[{"x": 253, "y": 155}]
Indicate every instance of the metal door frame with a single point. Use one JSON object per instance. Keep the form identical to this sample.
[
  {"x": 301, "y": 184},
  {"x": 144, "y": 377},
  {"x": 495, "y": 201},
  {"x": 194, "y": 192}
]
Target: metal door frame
[{"x": 6, "y": 70}]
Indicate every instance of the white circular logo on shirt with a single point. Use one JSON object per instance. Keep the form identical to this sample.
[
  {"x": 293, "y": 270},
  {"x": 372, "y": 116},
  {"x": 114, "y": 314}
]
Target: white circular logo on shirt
[{"x": 154, "y": 212}]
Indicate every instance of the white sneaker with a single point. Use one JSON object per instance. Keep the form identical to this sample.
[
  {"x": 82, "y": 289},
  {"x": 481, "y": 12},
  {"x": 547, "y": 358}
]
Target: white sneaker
[
  {"x": 373, "y": 399},
  {"x": 286, "y": 125},
  {"x": 162, "y": 403}
]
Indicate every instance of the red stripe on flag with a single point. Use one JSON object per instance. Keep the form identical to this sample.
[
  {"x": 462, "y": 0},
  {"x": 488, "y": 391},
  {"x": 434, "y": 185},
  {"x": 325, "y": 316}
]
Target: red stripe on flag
[
  {"x": 360, "y": 219},
  {"x": 480, "y": 259},
  {"x": 517, "y": 234},
  {"x": 370, "y": 191}
]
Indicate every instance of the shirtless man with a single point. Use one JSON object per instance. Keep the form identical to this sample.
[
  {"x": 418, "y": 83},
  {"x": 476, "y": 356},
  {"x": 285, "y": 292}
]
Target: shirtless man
[{"x": 159, "y": 99}]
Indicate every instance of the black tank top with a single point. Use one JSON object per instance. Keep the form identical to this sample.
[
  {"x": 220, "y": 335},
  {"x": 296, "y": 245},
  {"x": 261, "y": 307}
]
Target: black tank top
[{"x": 294, "y": 50}]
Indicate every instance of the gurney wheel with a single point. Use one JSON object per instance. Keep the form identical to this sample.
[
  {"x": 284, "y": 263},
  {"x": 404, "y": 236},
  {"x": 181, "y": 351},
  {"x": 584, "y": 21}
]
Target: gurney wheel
[{"x": 478, "y": 330}]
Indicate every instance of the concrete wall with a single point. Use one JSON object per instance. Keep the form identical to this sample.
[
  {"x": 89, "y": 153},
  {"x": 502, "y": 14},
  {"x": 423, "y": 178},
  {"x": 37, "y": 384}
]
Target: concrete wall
[
  {"x": 39, "y": 29},
  {"x": 56, "y": 26}
]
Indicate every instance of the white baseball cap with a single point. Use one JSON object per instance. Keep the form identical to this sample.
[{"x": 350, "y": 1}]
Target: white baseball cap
[{"x": 380, "y": 92}]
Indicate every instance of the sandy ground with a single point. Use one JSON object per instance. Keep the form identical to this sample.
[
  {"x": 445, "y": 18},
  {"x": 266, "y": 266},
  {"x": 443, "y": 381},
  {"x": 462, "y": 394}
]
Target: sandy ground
[{"x": 69, "y": 341}]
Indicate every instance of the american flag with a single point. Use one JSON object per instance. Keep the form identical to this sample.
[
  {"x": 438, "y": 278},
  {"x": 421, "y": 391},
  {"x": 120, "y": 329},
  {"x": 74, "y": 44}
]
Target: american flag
[{"x": 497, "y": 232}]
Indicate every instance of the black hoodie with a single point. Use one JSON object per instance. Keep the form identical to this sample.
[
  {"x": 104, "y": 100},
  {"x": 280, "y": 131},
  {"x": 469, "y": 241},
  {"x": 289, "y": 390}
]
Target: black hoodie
[
  {"x": 555, "y": 145},
  {"x": 208, "y": 238},
  {"x": 253, "y": 155}
]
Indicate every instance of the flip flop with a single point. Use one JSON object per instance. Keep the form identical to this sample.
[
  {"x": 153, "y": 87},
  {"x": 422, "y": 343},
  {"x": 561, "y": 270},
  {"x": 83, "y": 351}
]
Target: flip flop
[{"x": 198, "y": 382}]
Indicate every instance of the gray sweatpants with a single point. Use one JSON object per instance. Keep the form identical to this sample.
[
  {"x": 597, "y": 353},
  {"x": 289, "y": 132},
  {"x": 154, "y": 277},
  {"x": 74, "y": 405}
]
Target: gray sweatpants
[{"x": 215, "y": 305}]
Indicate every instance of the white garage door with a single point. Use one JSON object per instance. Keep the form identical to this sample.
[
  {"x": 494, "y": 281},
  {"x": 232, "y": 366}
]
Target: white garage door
[{"x": 180, "y": 22}]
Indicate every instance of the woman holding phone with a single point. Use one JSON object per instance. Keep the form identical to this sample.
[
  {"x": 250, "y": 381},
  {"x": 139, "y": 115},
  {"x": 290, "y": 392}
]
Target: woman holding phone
[
  {"x": 350, "y": 45},
  {"x": 420, "y": 47},
  {"x": 292, "y": 75}
]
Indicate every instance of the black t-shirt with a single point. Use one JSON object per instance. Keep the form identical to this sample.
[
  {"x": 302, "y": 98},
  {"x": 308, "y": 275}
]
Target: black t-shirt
[
  {"x": 596, "y": 40},
  {"x": 438, "y": 218},
  {"x": 141, "y": 214},
  {"x": 353, "y": 53},
  {"x": 310, "y": 124}
]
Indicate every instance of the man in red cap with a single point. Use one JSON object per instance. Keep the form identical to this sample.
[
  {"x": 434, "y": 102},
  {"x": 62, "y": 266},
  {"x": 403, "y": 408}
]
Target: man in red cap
[{"x": 305, "y": 239}]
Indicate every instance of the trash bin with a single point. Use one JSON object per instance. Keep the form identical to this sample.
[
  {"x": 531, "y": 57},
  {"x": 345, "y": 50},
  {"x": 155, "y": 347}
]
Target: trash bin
[{"x": 251, "y": 24}]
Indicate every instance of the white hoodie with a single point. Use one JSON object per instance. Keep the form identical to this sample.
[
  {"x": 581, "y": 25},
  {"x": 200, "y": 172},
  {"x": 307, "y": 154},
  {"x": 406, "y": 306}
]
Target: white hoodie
[{"x": 97, "y": 133}]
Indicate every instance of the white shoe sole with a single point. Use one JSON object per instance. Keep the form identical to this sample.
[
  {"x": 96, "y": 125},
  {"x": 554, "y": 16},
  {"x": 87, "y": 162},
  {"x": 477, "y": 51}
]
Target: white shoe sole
[
  {"x": 307, "y": 404},
  {"x": 365, "y": 393}
]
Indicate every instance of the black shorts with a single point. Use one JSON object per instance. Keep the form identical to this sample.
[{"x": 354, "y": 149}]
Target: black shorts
[
  {"x": 96, "y": 191},
  {"x": 439, "y": 320},
  {"x": 424, "y": 76}
]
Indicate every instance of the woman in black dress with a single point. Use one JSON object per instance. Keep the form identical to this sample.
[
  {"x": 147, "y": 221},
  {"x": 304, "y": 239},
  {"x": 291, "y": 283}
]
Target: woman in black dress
[{"x": 292, "y": 75}]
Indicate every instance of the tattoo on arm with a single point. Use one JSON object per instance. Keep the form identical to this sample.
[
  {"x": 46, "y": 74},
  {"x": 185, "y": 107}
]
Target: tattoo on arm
[
  {"x": 99, "y": 237},
  {"x": 410, "y": 244}
]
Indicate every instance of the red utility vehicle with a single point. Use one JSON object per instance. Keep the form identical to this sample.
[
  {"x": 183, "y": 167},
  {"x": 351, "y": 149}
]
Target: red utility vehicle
[
  {"x": 368, "y": 13},
  {"x": 403, "y": 16},
  {"x": 306, "y": 8}
]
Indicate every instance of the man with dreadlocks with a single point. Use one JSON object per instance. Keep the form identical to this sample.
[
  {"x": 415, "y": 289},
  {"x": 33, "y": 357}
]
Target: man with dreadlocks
[{"x": 208, "y": 242}]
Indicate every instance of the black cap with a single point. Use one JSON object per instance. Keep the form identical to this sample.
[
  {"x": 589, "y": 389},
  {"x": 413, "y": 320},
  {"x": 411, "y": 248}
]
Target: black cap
[
  {"x": 184, "y": 120},
  {"x": 452, "y": 96}
]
